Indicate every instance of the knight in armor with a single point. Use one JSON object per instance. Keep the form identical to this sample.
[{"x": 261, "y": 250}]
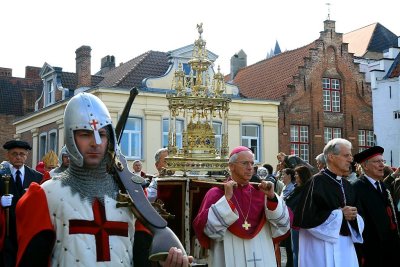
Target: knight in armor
[
  {"x": 63, "y": 162},
  {"x": 72, "y": 219}
]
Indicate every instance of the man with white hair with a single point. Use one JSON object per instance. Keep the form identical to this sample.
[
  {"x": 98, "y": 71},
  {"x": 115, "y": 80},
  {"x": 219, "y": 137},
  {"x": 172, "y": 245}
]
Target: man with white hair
[
  {"x": 327, "y": 214},
  {"x": 237, "y": 223}
]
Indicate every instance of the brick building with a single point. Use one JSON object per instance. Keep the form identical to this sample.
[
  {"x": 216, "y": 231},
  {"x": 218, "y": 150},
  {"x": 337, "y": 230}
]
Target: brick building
[
  {"x": 322, "y": 94},
  {"x": 17, "y": 99}
]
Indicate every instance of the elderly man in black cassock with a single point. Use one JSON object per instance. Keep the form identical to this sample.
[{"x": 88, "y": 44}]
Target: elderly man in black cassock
[
  {"x": 327, "y": 213},
  {"x": 381, "y": 245}
]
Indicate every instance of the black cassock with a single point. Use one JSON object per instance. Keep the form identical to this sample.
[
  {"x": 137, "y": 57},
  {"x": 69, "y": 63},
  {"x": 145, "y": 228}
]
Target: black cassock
[
  {"x": 381, "y": 245},
  {"x": 322, "y": 195}
]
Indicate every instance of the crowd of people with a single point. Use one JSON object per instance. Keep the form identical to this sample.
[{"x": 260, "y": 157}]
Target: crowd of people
[{"x": 341, "y": 212}]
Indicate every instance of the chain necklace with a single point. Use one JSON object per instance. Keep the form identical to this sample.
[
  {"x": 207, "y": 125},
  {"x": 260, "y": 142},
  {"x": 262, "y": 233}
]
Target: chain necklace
[
  {"x": 245, "y": 225},
  {"x": 339, "y": 183}
]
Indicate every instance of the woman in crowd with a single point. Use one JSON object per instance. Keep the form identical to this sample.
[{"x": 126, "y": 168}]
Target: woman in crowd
[
  {"x": 302, "y": 175},
  {"x": 289, "y": 185}
]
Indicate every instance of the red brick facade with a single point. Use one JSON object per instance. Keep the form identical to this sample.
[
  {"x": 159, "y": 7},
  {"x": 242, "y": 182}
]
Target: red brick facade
[
  {"x": 295, "y": 78},
  {"x": 304, "y": 105}
]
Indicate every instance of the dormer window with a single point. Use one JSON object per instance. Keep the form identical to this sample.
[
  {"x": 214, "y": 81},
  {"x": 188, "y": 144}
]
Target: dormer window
[{"x": 331, "y": 94}]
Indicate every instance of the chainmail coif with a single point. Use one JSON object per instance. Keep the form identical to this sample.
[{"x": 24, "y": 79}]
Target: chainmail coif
[{"x": 90, "y": 184}]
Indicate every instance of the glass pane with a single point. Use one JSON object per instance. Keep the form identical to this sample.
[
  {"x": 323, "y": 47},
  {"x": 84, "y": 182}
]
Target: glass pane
[
  {"x": 327, "y": 100},
  {"x": 179, "y": 126},
  {"x": 165, "y": 125},
  {"x": 249, "y": 130},
  {"x": 217, "y": 128},
  {"x": 304, "y": 152},
  {"x": 135, "y": 145},
  {"x": 335, "y": 84},
  {"x": 337, "y": 133},
  {"x": 124, "y": 144},
  {"x": 294, "y": 149},
  {"x": 304, "y": 134},
  {"x": 133, "y": 124},
  {"x": 165, "y": 140},
  {"x": 325, "y": 83},
  {"x": 361, "y": 138},
  {"x": 294, "y": 133},
  {"x": 327, "y": 134}
]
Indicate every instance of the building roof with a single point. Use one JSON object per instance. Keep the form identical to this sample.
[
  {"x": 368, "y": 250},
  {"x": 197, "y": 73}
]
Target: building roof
[
  {"x": 270, "y": 77},
  {"x": 370, "y": 41},
  {"x": 70, "y": 80},
  {"x": 394, "y": 70},
  {"x": 11, "y": 98},
  {"x": 132, "y": 73}
]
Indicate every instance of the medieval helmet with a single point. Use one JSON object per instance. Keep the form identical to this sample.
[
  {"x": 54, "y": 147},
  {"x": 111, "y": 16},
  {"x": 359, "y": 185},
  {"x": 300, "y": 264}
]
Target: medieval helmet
[{"x": 85, "y": 111}]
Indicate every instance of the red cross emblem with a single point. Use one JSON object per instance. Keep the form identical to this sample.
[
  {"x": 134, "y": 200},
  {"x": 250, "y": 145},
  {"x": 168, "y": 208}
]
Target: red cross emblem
[
  {"x": 93, "y": 123},
  {"x": 100, "y": 228}
]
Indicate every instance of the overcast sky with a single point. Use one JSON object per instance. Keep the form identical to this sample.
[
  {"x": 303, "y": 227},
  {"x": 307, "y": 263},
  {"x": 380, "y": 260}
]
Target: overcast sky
[{"x": 35, "y": 32}]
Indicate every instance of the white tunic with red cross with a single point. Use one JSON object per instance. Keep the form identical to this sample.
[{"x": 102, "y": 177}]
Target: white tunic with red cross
[{"x": 88, "y": 234}]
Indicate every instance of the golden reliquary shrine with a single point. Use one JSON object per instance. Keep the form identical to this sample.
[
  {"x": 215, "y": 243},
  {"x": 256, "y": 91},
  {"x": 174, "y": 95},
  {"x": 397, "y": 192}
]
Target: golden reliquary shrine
[{"x": 193, "y": 166}]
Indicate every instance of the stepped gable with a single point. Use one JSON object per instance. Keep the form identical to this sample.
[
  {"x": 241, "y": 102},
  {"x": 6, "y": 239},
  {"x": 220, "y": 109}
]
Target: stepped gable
[{"x": 269, "y": 78}]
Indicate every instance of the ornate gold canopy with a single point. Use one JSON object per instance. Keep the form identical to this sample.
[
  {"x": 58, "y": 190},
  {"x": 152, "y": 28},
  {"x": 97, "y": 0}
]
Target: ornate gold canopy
[{"x": 198, "y": 100}]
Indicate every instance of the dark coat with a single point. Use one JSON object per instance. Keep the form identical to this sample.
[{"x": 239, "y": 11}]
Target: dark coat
[
  {"x": 321, "y": 195},
  {"x": 292, "y": 161},
  {"x": 10, "y": 244},
  {"x": 381, "y": 245}
]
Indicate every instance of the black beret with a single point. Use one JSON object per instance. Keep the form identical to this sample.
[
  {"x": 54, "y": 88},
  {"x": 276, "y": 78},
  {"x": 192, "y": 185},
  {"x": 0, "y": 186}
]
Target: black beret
[
  {"x": 368, "y": 153},
  {"x": 16, "y": 143}
]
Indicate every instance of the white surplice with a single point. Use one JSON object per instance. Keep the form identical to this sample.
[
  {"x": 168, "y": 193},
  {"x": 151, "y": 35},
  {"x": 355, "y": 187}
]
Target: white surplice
[
  {"x": 323, "y": 246},
  {"x": 230, "y": 250}
]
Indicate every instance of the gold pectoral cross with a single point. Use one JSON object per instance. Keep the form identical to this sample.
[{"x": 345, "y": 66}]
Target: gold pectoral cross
[{"x": 246, "y": 225}]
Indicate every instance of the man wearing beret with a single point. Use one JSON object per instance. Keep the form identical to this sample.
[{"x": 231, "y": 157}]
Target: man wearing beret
[
  {"x": 238, "y": 223},
  {"x": 381, "y": 245},
  {"x": 21, "y": 177}
]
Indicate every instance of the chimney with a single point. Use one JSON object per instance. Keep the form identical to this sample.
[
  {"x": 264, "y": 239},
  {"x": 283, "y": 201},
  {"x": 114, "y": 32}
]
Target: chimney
[
  {"x": 32, "y": 72},
  {"x": 238, "y": 61},
  {"x": 83, "y": 66},
  {"x": 5, "y": 72},
  {"x": 107, "y": 64}
]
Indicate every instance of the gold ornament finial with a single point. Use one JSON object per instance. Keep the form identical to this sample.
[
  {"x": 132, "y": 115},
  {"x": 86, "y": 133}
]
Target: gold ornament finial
[{"x": 200, "y": 28}]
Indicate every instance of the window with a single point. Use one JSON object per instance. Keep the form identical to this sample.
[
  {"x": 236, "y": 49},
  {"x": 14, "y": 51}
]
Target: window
[
  {"x": 178, "y": 129},
  {"x": 331, "y": 133},
  {"x": 42, "y": 145},
  {"x": 250, "y": 138},
  {"x": 131, "y": 141},
  {"x": 53, "y": 141},
  {"x": 365, "y": 139},
  {"x": 50, "y": 95},
  {"x": 396, "y": 114},
  {"x": 218, "y": 135},
  {"x": 299, "y": 142},
  {"x": 331, "y": 94}
]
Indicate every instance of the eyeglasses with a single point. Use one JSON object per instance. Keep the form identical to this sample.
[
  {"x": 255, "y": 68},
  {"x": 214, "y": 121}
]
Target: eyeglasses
[
  {"x": 378, "y": 161},
  {"x": 246, "y": 163},
  {"x": 20, "y": 154}
]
